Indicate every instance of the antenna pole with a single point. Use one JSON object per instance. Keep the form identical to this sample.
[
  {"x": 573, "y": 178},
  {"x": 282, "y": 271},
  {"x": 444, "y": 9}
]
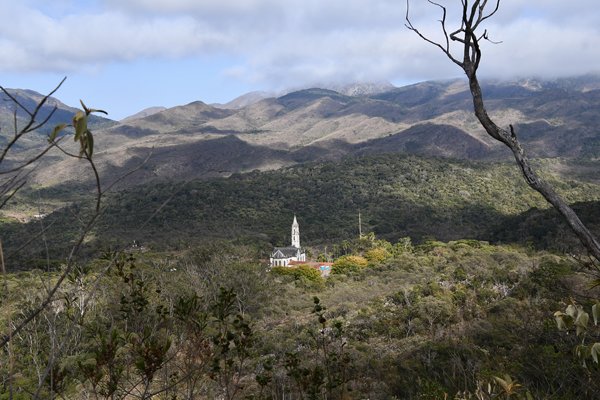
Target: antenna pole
[{"x": 359, "y": 226}]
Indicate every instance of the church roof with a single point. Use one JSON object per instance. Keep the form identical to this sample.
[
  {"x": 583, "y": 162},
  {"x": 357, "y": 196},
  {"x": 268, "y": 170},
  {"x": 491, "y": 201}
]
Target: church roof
[{"x": 285, "y": 252}]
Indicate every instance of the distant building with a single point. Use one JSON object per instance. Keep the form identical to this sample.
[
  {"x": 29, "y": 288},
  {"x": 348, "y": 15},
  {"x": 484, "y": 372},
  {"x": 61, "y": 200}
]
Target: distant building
[{"x": 282, "y": 256}]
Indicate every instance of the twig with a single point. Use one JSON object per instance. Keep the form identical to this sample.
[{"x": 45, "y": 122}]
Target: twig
[
  {"x": 32, "y": 116},
  {"x": 472, "y": 18}
]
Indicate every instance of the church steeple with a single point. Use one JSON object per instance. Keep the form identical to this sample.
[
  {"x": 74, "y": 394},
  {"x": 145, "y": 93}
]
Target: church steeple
[{"x": 295, "y": 234}]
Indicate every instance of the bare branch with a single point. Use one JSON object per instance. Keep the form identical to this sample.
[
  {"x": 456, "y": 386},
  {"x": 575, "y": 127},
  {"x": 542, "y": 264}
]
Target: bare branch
[
  {"x": 7, "y": 186},
  {"x": 28, "y": 242},
  {"x": 485, "y": 36},
  {"x": 97, "y": 178},
  {"x": 15, "y": 189},
  {"x": 70, "y": 262},
  {"x": 164, "y": 204},
  {"x": 15, "y": 101},
  {"x": 4, "y": 339},
  {"x": 15, "y": 123},
  {"x": 44, "y": 122},
  {"x": 474, "y": 8},
  {"x": 31, "y": 124},
  {"x": 28, "y": 162},
  {"x": 445, "y": 50},
  {"x": 443, "y": 23},
  {"x": 467, "y": 35},
  {"x": 484, "y": 17},
  {"x": 122, "y": 177},
  {"x": 33, "y": 114},
  {"x": 65, "y": 152}
]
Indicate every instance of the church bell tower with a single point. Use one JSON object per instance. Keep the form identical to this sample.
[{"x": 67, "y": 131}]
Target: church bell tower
[{"x": 295, "y": 234}]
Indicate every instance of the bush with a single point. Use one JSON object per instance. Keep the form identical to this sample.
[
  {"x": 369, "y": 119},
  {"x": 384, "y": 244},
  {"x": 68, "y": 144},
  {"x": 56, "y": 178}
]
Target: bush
[
  {"x": 301, "y": 273},
  {"x": 377, "y": 255},
  {"x": 349, "y": 264}
]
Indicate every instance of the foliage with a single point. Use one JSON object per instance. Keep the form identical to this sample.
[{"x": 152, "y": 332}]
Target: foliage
[
  {"x": 346, "y": 265},
  {"x": 398, "y": 195},
  {"x": 303, "y": 273},
  {"x": 497, "y": 388},
  {"x": 377, "y": 255},
  {"x": 575, "y": 318},
  {"x": 325, "y": 373},
  {"x": 444, "y": 319}
]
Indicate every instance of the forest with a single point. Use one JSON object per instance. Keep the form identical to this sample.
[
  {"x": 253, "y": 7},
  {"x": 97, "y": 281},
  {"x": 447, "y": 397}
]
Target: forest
[{"x": 397, "y": 195}]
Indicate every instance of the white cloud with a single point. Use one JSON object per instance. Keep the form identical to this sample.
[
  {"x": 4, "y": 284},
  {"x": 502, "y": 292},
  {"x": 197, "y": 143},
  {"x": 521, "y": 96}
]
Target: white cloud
[{"x": 285, "y": 43}]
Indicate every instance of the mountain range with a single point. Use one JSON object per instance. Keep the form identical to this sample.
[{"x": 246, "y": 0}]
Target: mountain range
[
  {"x": 555, "y": 118},
  {"x": 414, "y": 159}
]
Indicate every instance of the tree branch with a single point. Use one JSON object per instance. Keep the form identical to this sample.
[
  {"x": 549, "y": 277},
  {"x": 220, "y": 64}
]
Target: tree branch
[
  {"x": 445, "y": 50},
  {"x": 471, "y": 21}
]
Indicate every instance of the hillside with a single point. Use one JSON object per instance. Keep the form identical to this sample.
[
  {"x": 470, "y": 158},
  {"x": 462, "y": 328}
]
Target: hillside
[
  {"x": 553, "y": 119},
  {"x": 29, "y": 99},
  {"x": 397, "y": 196},
  {"x": 449, "y": 293},
  {"x": 418, "y": 322}
]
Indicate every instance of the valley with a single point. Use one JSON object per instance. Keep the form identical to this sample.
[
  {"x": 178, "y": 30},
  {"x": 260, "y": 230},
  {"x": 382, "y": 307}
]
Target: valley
[{"x": 449, "y": 291}]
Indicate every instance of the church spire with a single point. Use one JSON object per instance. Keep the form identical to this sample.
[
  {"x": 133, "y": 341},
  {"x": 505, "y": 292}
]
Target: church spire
[{"x": 295, "y": 233}]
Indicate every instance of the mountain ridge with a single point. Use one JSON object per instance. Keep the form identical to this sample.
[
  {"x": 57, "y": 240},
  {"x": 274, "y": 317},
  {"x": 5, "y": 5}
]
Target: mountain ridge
[{"x": 555, "y": 118}]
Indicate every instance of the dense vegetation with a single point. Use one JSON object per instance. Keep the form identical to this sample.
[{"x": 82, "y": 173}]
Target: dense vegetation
[
  {"x": 397, "y": 196},
  {"x": 192, "y": 311},
  {"x": 407, "y": 322},
  {"x": 186, "y": 307}
]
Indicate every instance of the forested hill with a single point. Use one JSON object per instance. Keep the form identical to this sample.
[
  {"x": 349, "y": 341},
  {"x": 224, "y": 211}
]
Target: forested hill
[{"x": 397, "y": 196}]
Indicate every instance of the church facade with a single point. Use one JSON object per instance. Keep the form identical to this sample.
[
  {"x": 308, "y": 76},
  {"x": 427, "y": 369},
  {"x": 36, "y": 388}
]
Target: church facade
[{"x": 282, "y": 256}]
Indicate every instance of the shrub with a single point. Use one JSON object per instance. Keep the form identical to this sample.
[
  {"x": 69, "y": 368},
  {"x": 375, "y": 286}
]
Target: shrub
[
  {"x": 377, "y": 255},
  {"x": 349, "y": 264},
  {"x": 301, "y": 272},
  {"x": 404, "y": 245}
]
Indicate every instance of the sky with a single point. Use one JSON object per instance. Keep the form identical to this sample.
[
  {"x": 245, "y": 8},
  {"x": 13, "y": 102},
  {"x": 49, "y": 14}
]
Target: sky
[{"x": 127, "y": 55}]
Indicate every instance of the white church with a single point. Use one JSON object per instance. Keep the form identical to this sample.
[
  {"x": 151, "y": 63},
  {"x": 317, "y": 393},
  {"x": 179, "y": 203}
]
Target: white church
[{"x": 282, "y": 256}]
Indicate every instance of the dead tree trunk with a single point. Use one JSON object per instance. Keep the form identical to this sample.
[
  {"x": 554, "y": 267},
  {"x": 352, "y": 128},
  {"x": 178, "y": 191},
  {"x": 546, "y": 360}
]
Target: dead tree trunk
[{"x": 468, "y": 38}]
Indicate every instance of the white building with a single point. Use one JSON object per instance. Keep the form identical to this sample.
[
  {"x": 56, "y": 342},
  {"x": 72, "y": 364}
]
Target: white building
[{"x": 281, "y": 256}]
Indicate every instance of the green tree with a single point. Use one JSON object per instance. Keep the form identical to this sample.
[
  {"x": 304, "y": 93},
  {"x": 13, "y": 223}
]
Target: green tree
[{"x": 349, "y": 264}]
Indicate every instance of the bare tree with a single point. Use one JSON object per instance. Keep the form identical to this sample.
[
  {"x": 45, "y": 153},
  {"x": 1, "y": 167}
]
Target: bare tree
[
  {"x": 13, "y": 178},
  {"x": 467, "y": 55}
]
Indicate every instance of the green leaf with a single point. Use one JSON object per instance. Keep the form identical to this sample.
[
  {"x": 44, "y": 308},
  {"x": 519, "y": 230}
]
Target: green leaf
[
  {"x": 55, "y": 132},
  {"x": 595, "y": 352},
  {"x": 582, "y": 322},
  {"x": 571, "y": 310},
  {"x": 580, "y": 351},
  {"x": 88, "y": 111},
  {"x": 94, "y": 110},
  {"x": 80, "y": 125},
  {"x": 84, "y": 107},
  {"x": 563, "y": 321},
  {"x": 505, "y": 385},
  {"x": 596, "y": 312}
]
